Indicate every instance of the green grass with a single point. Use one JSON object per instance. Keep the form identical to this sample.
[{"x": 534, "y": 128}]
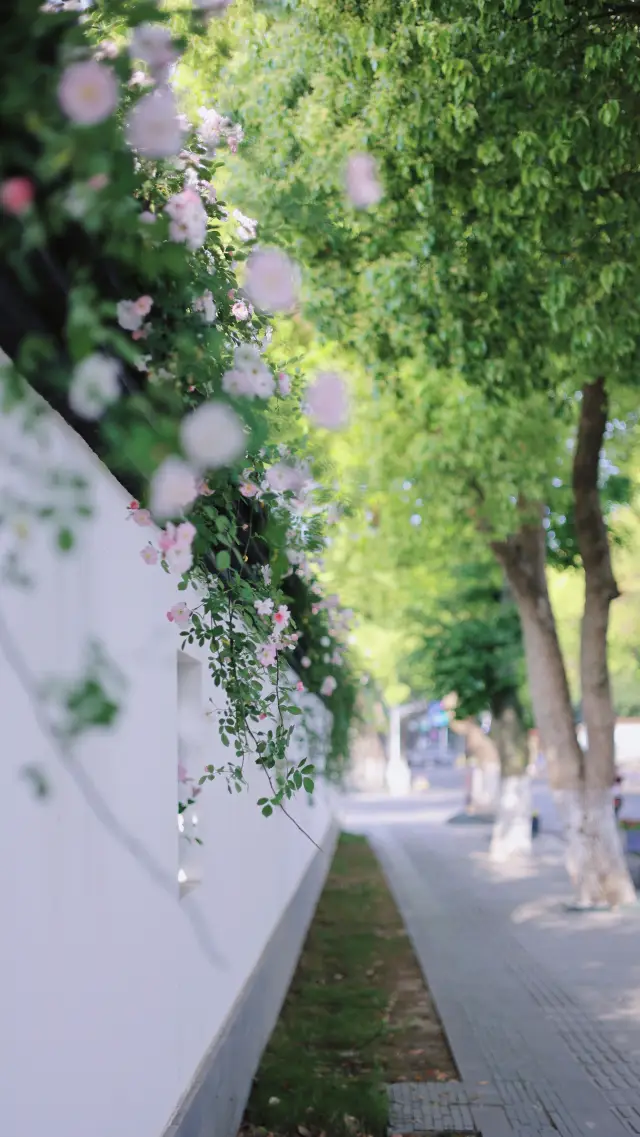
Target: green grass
[{"x": 321, "y": 1063}]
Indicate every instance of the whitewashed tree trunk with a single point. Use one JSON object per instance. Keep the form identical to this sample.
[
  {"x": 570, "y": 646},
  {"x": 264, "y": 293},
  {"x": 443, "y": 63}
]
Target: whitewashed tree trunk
[
  {"x": 512, "y": 829},
  {"x": 485, "y": 773},
  {"x": 485, "y": 788},
  {"x": 596, "y": 862},
  {"x": 595, "y": 857}
]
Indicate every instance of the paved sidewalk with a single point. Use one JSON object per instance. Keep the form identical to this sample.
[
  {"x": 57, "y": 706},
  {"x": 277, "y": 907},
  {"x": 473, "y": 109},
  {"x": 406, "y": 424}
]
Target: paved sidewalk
[{"x": 541, "y": 1007}]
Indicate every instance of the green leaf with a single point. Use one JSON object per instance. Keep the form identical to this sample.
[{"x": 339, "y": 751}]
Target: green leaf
[
  {"x": 609, "y": 112},
  {"x": 66, "y": 540},
  {"x": 223, "y": 560}
]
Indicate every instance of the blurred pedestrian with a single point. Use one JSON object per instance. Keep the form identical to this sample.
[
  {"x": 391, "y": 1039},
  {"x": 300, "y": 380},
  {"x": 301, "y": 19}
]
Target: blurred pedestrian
[{"x": 617, "y": 795}]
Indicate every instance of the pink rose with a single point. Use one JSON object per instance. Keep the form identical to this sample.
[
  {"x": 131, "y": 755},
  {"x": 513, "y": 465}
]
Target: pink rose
[
  {"x": 98, "y": 182},
  {"x": 281, "y": 617},
  {"x": 240, "y": 310},
  {"x": 267, "y": 655},
  {"x": 149, "y": 554},
  {"x": 180, "y": 614},
  {"x": 153, "y": 125},
  {"x": 88, "y": 92},
  {"x": 173, "y": 488},
  {"x": 329, "y": 685},
  {"x": 249, "y": 489},
  {"x": 16, "y": 195},
  {"x": 326, "y": 401},
  {"x": 272, "y": 280},
  {"x": 143, "y": 305}
]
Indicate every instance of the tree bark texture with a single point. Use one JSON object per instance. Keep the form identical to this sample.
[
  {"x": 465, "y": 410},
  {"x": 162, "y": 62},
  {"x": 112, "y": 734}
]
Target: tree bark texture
[
  {"x": 512, "y": 830},
  {"x": 600, "y": 589},
  {"x": 485, "y": 776},
  {"x": 522, "y": 557},
  {"x": 595, "y": 859}
]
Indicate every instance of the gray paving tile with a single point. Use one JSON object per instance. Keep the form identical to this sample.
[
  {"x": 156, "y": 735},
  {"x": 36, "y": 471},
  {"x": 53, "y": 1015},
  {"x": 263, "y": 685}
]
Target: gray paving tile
[
  {"x": 532, "y": 1062},
  {"x": 435, "y": 1107}
]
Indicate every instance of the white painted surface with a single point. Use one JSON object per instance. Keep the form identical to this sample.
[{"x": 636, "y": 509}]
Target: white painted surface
[
  {"x": 595, "y": 858},
  {"x": 484, "y": 790},
  {"x": 627, "y": 741},
  {"x": 107, "y": 1000},
  {"x": 398, "y": 773},
  {"x": 511, "y": 836}
]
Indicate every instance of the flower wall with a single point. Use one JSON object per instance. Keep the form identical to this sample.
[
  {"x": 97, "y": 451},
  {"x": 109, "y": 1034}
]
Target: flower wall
[{"x": 142, "y": 308}]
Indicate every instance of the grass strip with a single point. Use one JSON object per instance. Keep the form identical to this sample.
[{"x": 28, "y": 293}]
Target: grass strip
[{"x": 356, "y": 1017}]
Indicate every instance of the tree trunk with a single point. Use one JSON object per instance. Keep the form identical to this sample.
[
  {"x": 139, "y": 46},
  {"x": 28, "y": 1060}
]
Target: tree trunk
[
  {"x": 595, "y": 859},
  {"x": 522, "y": 557},
  {"x": 512, "y": 830},
  {"x": 484, "y": 785},
  {"x": 594, "y": 843}
]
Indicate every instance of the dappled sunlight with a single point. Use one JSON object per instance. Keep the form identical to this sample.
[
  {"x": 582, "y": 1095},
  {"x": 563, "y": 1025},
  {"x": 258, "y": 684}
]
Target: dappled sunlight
[
  {"x": 519, "y": 868},
  {"x": 548, "y": 911}
]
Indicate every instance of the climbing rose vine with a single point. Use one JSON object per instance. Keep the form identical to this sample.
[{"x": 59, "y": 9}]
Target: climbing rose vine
[{"x": 165, "y": 358}]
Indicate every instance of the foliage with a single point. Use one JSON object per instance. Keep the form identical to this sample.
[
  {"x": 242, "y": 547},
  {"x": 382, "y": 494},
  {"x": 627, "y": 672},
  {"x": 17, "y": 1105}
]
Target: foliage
[
  {"x": 96, "y": 237},
  {"x": 562, "y": 542},
  {"x": 495, "y": 276},
  {"x": 476, "y": 659},
  {"x": 474, "y": 646},
  {"x": 501, "y": 245}
]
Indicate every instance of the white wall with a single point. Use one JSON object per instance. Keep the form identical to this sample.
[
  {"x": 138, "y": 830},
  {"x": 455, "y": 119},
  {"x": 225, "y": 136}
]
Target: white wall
[
  {"x": 107, "y": 1000},
  {"x": 626, "y": 741}
]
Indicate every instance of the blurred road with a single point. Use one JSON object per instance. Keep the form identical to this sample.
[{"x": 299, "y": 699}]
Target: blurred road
[{"x": 447, "y": 789}]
